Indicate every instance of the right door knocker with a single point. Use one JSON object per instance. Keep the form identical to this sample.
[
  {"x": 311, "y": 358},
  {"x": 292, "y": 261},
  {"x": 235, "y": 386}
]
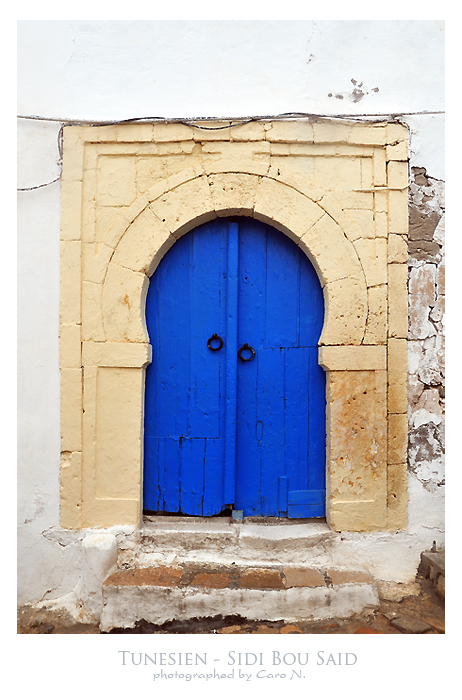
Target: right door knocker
[{"x": 246, "y": 347}]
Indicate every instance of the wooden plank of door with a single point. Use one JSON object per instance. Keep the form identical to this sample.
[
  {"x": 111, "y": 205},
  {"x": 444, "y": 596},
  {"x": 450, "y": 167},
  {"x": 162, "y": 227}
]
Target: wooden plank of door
[{"x": 230, "y": 394}]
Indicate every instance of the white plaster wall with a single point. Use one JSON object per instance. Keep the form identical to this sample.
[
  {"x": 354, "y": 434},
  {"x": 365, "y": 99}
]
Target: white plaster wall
[{"x": 109, "y": 70}]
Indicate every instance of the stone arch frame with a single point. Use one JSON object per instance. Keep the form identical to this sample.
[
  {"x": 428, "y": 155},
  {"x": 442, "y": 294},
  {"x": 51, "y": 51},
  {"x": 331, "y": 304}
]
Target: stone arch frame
[
  {"x": 307, "y": 217},
  {"x": 112, "y": 283}
]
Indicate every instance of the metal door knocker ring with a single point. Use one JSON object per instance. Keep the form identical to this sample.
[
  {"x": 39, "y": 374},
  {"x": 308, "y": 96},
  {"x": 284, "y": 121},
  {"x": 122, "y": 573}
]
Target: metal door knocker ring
[
  {"x": 246, "y": 347},
  {"x": 215, "y": 337}
]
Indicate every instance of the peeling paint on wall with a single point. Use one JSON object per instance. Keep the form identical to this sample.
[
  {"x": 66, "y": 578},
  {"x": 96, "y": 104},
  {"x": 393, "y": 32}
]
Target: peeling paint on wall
[{"x": 426, "y": 387}]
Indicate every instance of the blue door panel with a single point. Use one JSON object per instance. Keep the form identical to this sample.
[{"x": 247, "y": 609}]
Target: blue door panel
[{"x": 219, "y": 430}]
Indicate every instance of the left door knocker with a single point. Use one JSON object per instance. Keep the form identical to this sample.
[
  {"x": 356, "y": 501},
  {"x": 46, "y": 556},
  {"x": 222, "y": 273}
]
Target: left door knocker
[{"x": 215, "y": 339}]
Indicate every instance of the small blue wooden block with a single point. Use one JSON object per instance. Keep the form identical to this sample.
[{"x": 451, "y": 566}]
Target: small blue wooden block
[{"x": 238, "y": 515}]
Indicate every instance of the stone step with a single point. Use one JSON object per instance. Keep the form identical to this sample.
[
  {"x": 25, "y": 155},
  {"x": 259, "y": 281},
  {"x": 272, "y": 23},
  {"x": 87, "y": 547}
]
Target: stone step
[
  {"x": 432, "y": 566},
  {"x": 189, "y": 590},
  {"x": 225, "y": 540}
]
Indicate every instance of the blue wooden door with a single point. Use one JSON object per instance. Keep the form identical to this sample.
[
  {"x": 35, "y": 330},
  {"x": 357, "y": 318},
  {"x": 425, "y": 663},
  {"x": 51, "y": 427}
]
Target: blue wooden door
[{"x": 235, "y": 398}]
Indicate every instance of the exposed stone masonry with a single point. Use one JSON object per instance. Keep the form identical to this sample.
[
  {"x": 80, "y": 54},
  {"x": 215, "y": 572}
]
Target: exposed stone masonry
[{"x": 426, "y": 385}]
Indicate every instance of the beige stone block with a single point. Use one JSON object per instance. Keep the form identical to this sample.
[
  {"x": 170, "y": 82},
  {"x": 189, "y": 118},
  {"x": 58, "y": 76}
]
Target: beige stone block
[
  {"x": 108, "y": 512},
  {"x": 172, "y": 132},
  {"x": 90, "y": 373},
  {"x": 69, "y": 310},
  {"x": 69, "y": 346},
  {"x": 346, "y": 311},
  {"x": 143, "y": 243},
  {"x": 71, "y": 210},
  {"x": 213, "y": 130},
  {"x": 233, "y": 194},
  {"x": 396, "y": 133},
  {"x": 367, "y": 173},
  {"x": 186, "y": 206},
  {"x": 116, "y": 180},
  {"x": 376, "y": 325},
  {"x": 153, "y": 168},
  {"x": 353, "y": 358},
  {"x": 71, "y": 490},
  {"x": 333, "y": 207},
  {"x": 119, "y": 417},
  {"x": 135, "y": 132},
  {"x": 381, "y": 224},
  {"x": 227, "y": 165},
  {"x": 372, "y": 253},
  {"x": 97, "y": 134},
  {"x": 340, "y": 174},
  {"x": 372, "y": 134},
  {"x": 397, "y": 301},
  {"x": 330, "y": 251},
  {"x": 236, "y": 151},
  {"x": 105, "y": 354},
  {"x": 105, "y": 219},
  {"x": 88, "y": 222},
  {"x": 294, "y": 212},
  {"x": 397, "y": 249},
  {"x": 283, "y": 149},
  {"x": 295, "y": 576},
  {"x": 398, "y": 151},
  {"x": 73, "y": 160},
  {"x": 95, "y": 260},
  {"x": 297, "y": 131},
  {"x": 355, "y": 200},
  {"x": 380, "y": 167},
  {"x": 397, "y": 438},
  {"x": 397, "y": 172},
  {"x": 331, "y": 132},
  {"x": 398, "y": 211},
  {"x": 364, "y": 219},
  {"x": 357, "y": 449},
  {"x": 381, "y": 201},
  {"x": 253, "y": 131},
  {"x": 397, "y": 375},
  {"x": 280, "y": 172},
  {"x": 92, "y": 321},
  {"x": 71, "y": 410},
  {"x": 357, "y": 516},
  {"x": 123, "y": 298},
  {"x": 171, "y": 165},
  {"x": 397, "y": 497}
]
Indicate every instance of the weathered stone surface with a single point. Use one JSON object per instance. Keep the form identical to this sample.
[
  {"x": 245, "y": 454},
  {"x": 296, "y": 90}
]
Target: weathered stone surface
[
  {"x": 296, "y": 576},
  {"x": 409, "y": 625},
  {"x": 260, "y": 578},
  {"x": 150, "y": 576},
  {"x": 353, "y": 357},
  {"x": 377, "y": 316},
  {"x": 345, "y": 323},
  {"x": 339, "y": 578},
  {"x": 211, "y": 580},
  {"x": 397, "y": 375},
  {"x": 397, "y": 301},
  {"x": 428, "y": 409},
  {"x": 121, "y": 304},
  {"x": 358, "y": 447},
  {"x": 422, "y": 224}
]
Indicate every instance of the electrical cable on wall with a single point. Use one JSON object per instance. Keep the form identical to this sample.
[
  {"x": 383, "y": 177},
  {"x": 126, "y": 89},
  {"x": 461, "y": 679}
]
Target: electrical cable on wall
[{"x": 238, "y": 121}]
